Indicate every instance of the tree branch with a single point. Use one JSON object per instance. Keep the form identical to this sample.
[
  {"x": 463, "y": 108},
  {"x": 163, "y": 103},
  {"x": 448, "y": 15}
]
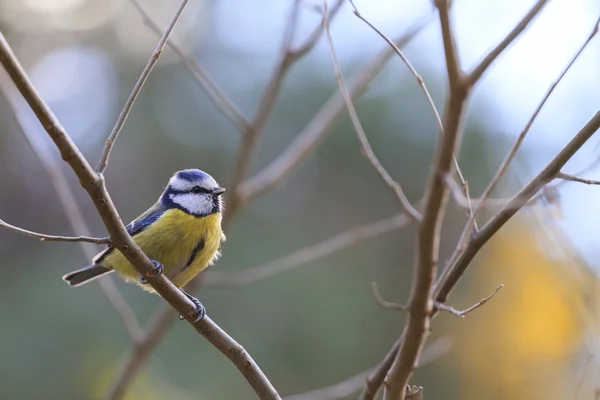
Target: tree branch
[
  {"x": 353, "y": 384},
  {"x": 513, "y": 152},
  {"x": 425, "y": 270},
  {"x": 275, "y": 173},
  {"x": 141, "y": 351},
  {"x": 51, "y": 238},
  {"x": 93, "y": 183},
  {"x": 360, "y": 133},
  {"x": 288, "y": 57},
  {"x": 321, "y": 124},
  {"x": 480, "y": 69},
  {"x": 384, "y": 303},
  {"x": 303, "y": 256},
  {"x": 461, "y": 314},
  {"x": 573, "y": 178},
  {"x": 549, "y": 173},
  {"x": 212, "y": 90},
  {"x": 112, "y": 138}
]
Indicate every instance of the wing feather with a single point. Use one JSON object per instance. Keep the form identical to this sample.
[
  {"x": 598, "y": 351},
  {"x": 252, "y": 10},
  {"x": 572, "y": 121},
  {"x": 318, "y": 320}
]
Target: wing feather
[{"x": 136, "y": 226}]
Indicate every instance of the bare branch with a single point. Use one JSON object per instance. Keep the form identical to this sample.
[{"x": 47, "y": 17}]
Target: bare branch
[
  {"x": 51, "y": 238},
  {"x": 93, "y": 183},
  {"x": 288, "y": 57},
  {"x": 141, "y": 351},
  {"x": 382, "y": 302},
  {"x": 461, "y": 314},
  {"x": 480, "y": 69},
  {"x": 321, "y": 124},
  {"x": 423, "y": 88},
  {"x": 362, "y": 137},
  {"x": 303, "y": 256},
  {"x": 549, "y": 173},
  {"x": 212, "y": 90},
  {"x": 573, "y": 178},
  {"x": 513, "y": 152},
  {"x": 425, "y": 270},
  {"x": 74, "y": 216},
  {"x": 347, "y": 387},
  {"x": 112, "y": 138}
]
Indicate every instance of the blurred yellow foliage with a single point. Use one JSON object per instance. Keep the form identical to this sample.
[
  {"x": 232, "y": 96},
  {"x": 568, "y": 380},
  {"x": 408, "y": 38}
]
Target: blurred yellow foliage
[{"x": 520, "y": 344}]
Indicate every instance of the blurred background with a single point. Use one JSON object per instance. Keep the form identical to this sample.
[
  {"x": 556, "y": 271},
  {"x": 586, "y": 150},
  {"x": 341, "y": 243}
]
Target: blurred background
[{"x": 316, "y": 324}]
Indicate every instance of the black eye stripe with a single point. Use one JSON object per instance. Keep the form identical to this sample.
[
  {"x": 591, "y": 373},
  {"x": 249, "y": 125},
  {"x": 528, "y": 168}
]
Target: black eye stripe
[{"x": 199, "y": 189}]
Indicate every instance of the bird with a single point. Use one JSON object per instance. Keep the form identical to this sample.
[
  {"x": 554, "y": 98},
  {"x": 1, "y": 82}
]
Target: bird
[{"x": 181, "y": 233}]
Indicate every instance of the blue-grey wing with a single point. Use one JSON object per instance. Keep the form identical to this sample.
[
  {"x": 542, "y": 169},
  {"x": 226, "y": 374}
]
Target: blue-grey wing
[
  {"x": 142, "y": 222},
  {"x": 136, "y": 226}
]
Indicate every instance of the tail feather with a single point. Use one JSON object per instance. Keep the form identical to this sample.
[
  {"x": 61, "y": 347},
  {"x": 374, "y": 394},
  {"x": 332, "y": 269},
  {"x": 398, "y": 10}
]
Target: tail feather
[{"x": 85, "y": 275}]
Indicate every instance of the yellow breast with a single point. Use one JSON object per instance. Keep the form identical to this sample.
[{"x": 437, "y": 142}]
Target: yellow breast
[{"x": 182, "y": 243}]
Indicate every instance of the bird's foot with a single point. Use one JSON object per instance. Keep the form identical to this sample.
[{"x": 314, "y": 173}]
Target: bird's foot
[
  {"x": 198, "y": 313},
  {"x": 157, "y": 270}
]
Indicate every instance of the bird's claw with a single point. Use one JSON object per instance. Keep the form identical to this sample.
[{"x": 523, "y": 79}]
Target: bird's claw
[
  {"x": 198, "y": 313},
  {"x": 156, "y": 271}
]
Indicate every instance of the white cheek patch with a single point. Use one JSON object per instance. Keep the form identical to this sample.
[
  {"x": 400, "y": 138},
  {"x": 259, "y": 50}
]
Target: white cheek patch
[{"x": 198, "y": 204}]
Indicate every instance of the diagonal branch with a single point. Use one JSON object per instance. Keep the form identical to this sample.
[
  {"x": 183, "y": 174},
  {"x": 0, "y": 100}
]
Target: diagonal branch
[
  {"x": 112, "y": 138},
  {"x": 51, "y": 238},
  {"x": 288, "y": 57},
  {"x": 425, "y": 270},
  {"x": 303, "y": 256},
  {"x": 573, "y": 178},
  {"x": 276, "y": 173},
  {"x": 75, "y": 217},
  {"x": 212, "y": 90},
  {"x": 94, "y": 184},
  {"x": 362, "y": 137},
  {"x": 549, "y": 173},
  {"x": 317, "y": 129},
  {"x": 480, "y": 69},
  {"x": 444, "y": 307},
  {"x": 351, "y": 385}
]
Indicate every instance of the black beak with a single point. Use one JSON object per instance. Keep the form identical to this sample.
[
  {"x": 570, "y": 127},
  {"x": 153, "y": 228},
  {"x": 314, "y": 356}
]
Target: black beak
[{"x": 218, "y": 191}]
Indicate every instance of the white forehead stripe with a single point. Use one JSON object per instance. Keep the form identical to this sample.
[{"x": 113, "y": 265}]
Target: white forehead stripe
[{"x": 183, "y": 185}]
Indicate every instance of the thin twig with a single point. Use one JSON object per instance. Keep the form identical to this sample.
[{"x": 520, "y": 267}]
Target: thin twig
[
  {"x": 94, "y": 184},
  {"x": 480, "y": 69},
  {"x": 74, "y": 216},
  {"x": 215, "y": 278},
  {"x": 445, "y": 285},
  {"x": 51, "y": 238},
  {"x": 423, "y": 88},
  {"x": 461, "y": 314},
  {"x": 549, "y": 173},
  {"x": 204, "y": 80},
  {"x": 112, "y": 138},
  {"x": 573, "y": 178},
  {"x": 504, "y": 167},
  {"x": 288, "y": 57},
  {"x": 320, "y": 125},
  {"x": 384, "y": 303},
  {"x": 251, "y": 133},
  {"x": 351, "y": 385},
  {"x": 360, "y": 133},
  {"x": 140, "y": 352},
  {"x": 586, "y": 365},
  {"x": 425, "y": 269}
]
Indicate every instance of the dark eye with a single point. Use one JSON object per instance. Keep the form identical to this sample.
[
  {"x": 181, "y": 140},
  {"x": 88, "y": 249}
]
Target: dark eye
[{"x": 197, "y": 189}]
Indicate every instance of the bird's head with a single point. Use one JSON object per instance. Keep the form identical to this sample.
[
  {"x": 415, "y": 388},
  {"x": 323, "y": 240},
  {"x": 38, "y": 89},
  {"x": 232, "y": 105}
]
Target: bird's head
[{"x": 193, "y": 191}]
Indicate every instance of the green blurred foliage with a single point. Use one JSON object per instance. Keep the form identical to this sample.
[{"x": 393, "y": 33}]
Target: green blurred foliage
[{"x": 308, "y": 327}]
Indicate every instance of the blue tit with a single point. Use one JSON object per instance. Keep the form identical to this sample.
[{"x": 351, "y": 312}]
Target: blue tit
[{"x": 181, "y": 234}]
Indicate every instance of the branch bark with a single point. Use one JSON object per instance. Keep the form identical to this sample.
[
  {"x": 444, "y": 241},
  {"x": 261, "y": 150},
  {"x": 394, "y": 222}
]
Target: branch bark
[{"x": 94, "y": 184}]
